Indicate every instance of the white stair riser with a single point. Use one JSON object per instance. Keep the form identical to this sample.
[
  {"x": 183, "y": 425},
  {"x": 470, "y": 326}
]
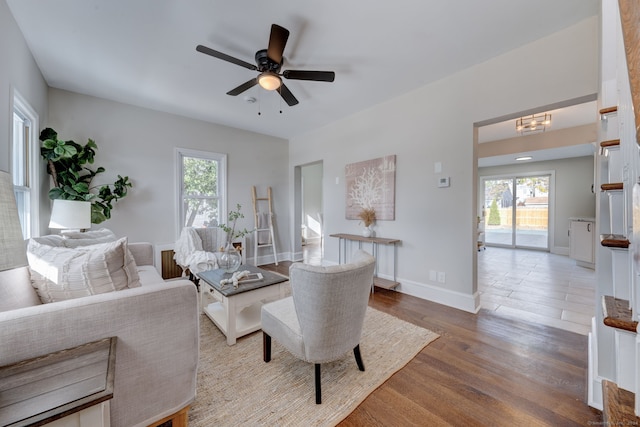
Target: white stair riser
[
  {"x": 625, "y": 343},
  {"x": 616, "y": 212},
  {"x": 620, "y": 272},
  {"x": 614, "y": 157}
]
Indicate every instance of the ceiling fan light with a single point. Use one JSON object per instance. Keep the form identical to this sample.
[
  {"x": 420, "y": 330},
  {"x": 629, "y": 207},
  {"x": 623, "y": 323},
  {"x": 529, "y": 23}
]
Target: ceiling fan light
[{"x": 269, "y": 80}]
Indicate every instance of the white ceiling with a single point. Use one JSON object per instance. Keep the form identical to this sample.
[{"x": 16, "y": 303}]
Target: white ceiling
[
  {"x": 561, "y": 118},
  {"x": 142, "y": 52}
]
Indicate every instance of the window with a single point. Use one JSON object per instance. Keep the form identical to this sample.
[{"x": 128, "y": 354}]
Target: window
[
  {"x": 24, "y": 161},
  {"x": 202, "y": 188}
]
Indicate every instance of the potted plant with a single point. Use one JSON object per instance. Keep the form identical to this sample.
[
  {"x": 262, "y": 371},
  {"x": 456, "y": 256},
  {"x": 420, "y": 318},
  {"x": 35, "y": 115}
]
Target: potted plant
[
  {"x": 368, "y": 217},
  {"x": 229, "y": 259},
  {"x": 67, "y": 163}
]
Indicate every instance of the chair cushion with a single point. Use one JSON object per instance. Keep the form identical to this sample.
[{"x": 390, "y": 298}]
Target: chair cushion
[
  {"x": 60, "y": 273},
  {"x": 279, "y": 321}
]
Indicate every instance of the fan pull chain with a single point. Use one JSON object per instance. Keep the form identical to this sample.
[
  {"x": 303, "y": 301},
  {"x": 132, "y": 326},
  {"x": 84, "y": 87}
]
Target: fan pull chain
[{"x": 259, "y": 103}]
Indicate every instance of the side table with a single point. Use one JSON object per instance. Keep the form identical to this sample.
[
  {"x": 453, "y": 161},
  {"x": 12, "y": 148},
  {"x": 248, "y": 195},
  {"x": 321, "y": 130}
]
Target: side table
[
  {"x": 375, "y": 241},
  {"x": 236, "y": 311},
  {"x": 48, "y": 388}
]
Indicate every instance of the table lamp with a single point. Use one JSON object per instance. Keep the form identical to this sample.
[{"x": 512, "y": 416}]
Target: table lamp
[{"x": 70, "y": 214}]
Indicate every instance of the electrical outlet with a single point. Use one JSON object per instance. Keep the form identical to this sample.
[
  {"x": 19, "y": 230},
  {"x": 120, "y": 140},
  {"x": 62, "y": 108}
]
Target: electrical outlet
[
  {"x": 443, "y": 182},
  {"x": 433, "y": 275},
  {"x": 441, "y": 277}
]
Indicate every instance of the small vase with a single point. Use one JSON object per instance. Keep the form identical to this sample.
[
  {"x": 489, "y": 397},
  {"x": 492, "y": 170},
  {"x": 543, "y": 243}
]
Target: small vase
[
  {"x": 367, "y": 232},
  {"x": 229, "y": 260}
]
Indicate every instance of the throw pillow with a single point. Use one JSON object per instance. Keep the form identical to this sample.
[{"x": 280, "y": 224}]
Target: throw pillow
[
  {"x": 50, "y": 240},
  {"x": 59, "y": 273}
]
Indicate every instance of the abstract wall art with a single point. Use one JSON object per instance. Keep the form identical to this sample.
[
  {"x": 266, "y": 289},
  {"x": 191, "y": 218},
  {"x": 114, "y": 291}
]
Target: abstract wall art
[{"x": 371, "y": 184}]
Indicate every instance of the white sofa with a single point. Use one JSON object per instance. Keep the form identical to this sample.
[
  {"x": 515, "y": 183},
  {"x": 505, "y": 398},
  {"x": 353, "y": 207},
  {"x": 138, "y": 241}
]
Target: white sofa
[{"x": 156, "y": 326}]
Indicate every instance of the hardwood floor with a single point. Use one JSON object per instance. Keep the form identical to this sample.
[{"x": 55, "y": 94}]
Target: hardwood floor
[{"x": 485, "y": 369}]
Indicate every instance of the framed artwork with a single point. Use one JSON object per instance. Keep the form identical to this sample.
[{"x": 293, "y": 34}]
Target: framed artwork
[{"x": 371, "y": 184}]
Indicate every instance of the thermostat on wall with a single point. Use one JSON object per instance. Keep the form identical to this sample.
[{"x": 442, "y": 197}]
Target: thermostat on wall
[{"x": 443, "y": 182}]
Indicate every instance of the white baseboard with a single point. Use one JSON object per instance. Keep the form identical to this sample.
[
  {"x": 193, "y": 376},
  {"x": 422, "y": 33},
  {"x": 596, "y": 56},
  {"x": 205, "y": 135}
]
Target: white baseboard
[
  {"x": 268, "y": 259},
  {"x": 465, "y": 302},
  {"x": 560, "y": 250},
  {"x": 458, "y": 300}
]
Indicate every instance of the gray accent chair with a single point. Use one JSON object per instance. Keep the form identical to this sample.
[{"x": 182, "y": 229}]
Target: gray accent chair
[{"x": 322, "y": 320}]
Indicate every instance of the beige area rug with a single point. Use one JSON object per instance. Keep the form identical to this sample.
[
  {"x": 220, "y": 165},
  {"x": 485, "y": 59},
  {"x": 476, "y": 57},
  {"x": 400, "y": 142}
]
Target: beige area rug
[{"x": 237, "y": 388}]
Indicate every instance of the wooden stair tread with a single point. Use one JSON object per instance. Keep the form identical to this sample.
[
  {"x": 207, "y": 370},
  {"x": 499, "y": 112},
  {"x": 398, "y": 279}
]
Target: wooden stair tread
[
  {"x": 617, "y": 314},
  {"x": 618, "y": 405},
  {"x": 610, "y": 143},
  {"x": 614, "y": 241},
  {"x": 608, "y": 110},
  {"x": 612, "y": 186}
]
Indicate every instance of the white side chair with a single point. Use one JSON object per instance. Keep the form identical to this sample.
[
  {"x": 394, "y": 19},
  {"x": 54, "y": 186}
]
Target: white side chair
[{"x": 322, "y": 320}]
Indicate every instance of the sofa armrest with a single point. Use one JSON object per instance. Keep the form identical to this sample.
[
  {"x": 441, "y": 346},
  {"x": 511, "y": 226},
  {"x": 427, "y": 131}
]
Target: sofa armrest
[
  {"x": 157, "y": 348},
  {"x": 142, "y": 252}
]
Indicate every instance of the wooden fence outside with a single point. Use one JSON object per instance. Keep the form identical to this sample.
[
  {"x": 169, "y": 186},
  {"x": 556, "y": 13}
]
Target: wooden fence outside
[{"x": 527, "y": 218}]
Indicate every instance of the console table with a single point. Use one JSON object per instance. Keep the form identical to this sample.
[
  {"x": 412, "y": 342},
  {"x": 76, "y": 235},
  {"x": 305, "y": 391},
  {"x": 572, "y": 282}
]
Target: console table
[{"x": 375, "y": 241}]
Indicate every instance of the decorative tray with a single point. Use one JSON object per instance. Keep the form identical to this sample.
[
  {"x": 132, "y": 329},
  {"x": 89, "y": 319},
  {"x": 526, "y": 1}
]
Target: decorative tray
[{"x": 252, "y": 277}]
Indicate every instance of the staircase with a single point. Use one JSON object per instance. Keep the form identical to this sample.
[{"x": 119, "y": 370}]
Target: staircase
[{"x": 614, "y": 357}]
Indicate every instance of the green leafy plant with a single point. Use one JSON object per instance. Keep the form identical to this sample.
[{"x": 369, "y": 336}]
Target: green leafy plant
[
  {"x": 494, "y": 214},
  {"x": 230, "y": 228},
  {"x": 67, "y": 163}
]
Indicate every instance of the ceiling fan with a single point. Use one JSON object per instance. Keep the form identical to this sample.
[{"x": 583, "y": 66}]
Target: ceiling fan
[{"x": 268, "y": 63}]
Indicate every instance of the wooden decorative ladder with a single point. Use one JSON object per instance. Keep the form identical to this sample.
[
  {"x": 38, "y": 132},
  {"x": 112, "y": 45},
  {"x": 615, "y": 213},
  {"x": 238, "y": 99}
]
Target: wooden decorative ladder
[{"x": 260, "y": 226}]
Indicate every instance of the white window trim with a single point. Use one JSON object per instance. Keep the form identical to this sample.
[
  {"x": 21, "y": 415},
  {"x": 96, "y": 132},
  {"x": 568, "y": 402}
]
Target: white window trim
[
  {"x": 222, "y": 179},
  {"x": 19, "y": 102}
]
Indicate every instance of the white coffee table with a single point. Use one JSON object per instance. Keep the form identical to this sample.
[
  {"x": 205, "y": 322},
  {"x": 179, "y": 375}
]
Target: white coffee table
[{"x": 236, "y": 311}]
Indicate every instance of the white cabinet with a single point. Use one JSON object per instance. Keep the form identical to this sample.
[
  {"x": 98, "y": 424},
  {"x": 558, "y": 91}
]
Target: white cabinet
[{"x": 582, "y": 233}]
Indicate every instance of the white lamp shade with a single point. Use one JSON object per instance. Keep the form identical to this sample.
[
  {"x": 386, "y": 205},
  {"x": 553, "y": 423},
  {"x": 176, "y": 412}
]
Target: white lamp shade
[
  {"x": 269, "y": 80},
  {"x": 70, "y": 214}
]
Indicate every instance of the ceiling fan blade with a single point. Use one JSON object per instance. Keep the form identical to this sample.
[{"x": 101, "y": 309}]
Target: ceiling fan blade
[
  {"x": 225, "y": 57},
  {"x": 288, "y": 97},
  {"x": 277, "y": 42},
  {"x": 244, "y": 86},
  {"x": 318, "y": 76}
]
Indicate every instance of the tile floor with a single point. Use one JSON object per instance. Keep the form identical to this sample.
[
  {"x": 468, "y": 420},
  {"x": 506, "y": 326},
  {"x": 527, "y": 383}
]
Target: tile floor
[
  {"x": 537, "y": 286},
  {"x": 532, "y": 285}
]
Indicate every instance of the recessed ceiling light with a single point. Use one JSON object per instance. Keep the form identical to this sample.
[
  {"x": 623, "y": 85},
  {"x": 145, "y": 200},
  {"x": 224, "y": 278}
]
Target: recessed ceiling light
[{"x": 523, "y": 158}]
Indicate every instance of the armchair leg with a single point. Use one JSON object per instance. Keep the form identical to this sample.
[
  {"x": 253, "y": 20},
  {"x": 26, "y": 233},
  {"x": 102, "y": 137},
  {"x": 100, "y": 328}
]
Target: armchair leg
[
  {"x": 318, "y": 388},
  {"x": 266, "y": 347},
  {"x": 356, "y": 353}
]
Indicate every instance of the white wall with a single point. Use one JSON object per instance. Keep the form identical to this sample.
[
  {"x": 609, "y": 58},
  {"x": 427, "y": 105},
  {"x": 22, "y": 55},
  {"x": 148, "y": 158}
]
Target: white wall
[
  {"x": 20, "y": 72},
  {"x": 435, "y": 124},
  {"x": 573, "y": 196},
  {"x": 139, "y": 143}
]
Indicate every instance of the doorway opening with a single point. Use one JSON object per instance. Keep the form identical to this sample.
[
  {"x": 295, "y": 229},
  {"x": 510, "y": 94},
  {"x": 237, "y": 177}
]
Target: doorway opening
[{"x": 309, "y": 213}]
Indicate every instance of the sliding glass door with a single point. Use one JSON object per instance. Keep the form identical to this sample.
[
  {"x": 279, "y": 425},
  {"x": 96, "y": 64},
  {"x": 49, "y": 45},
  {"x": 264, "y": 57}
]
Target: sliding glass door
[{"x": 516, "y": 211}]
